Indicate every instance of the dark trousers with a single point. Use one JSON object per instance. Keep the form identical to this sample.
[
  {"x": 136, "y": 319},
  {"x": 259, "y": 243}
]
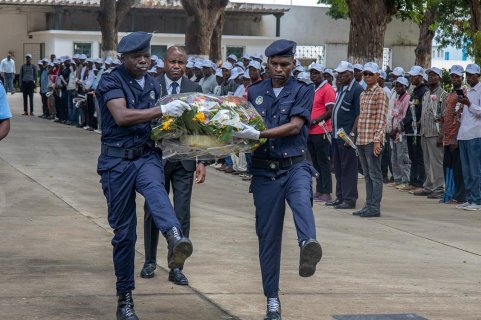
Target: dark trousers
[
  {"x": 371, "y": 166},
  {"x": 44, "y": 104},
  {"x": 181, "y": 180},
  {"x": 90, "y": 110},
  {"x": 386, "y": 164},
  {"x": 470, "y": 154},
  {"x": 417, "y": 174},
  {"x": 120, "y": 184},
  {"x": 318, "y": 146},
  {"x": 63, "y": 112},
  {"x": 27, "y": 90},
  {"x": 345, "y": 168},
  {"x": 270, "y": 196},
  {"x": 453, "y": 176}
]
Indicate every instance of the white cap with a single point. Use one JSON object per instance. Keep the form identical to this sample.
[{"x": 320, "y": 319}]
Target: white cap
[
  {"x": 370, "y": 67},
  {"x": 198, "y": 65},
  {"x": 91, "y": 60},
  {"x": 45, "y": 60},
  {"x": 300, "y": 68},
  {"x": 398, "y": 71},
  {"x": 82, "y": 57},
  {"x": 239, "y": 64},
  {"x": 108, "y": 60},
  {"x": 28, "y": 55},
  {"x": 402, "y": 81},
  {"x": 235, "y": 74},
  {"x": 159, "y": 63},
  {"x": 218, "y": 73},
  {"x": 358, "y": 66},
  {"x": 226, "y": 65},
  {"x": 472, "y": 68},
  {"x": 246, "y": 56},
  {"x": 416, "y": 71},
  {"x": 189, "y": 65},
  {"x": 152, "y": 70},
  {"x": 435, "y": 70},
  {"x": 154, "y": 57},
  {"x": 425, "y": 76},
  {"x": 99, "y": 60},
  {"x": 298, "y": 63},
  {"x": 116, "y": 61},
  {"x": 66, "y": 58},
  {"x": 39, "y": 62},
  {"x": 457, "y": 69},
  {"x": 76, "y": 56},
  {"x": 238, "y": 70},
  {"x": 344, "y": 66},
  {"x": 232, "y": 56},
  {"x": 316, "y": 66},
  {"x": 383, "y": 74},
  {"x": 246, "y": 74},
  {"x": 257, "y": 56},
  {"x": 304, "y": 76},
  {"x": 50, "y": 64},
  {"x": 329, "y": 71},
  {"x": 254, "y": 64},
  {"x": 206, "y": 64},
  {"x": 214, "y": 65}
]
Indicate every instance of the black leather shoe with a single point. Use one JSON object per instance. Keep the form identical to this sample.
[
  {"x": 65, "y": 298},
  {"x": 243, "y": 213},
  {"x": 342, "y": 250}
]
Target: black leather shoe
[
  {"x": 180, "y": 248},
  {"x": 273, "y": 309},
  {"x": 359, "y": 212},
  {"x": 370, "y": 214},
  {"x": 311, "y": 254},
  {"x": 177, "y": 276},
  {"x": 125, "y": 307},
  {"x": 346, "y": 205},
  {"x": 148, "y": 270},
  {"x": 333, "y": 203}
]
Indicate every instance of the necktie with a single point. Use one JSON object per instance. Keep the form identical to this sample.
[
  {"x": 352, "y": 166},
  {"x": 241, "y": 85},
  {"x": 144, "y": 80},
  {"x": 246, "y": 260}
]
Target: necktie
[{"x": 174, "y": 87}]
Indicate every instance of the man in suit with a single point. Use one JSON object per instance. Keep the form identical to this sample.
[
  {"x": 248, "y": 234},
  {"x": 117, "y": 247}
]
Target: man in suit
[{"x": 178, "y": 174}]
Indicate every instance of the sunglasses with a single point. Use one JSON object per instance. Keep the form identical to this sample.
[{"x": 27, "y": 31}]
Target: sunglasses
[{"x": 367, "y": 74}]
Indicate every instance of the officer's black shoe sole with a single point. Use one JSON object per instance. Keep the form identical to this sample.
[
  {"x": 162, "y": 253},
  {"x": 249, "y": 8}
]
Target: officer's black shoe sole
[
  {"x": 273, "y": 316},
  {"x": 148, "y": 271},
  {"x": 370, "y": 215},
  {"x": 178, "y": 281},
  {"x": 147, "y": 275},
  {"x": 359, "y": 212},
  {"x": 311, "y": 254},
  {"x": 181, "y": 251}
]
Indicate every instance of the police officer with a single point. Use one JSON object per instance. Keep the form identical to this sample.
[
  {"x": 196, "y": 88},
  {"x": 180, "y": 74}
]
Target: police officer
[
  {"x": 129, "y": 162},
  {"x": 280, "y": 170}
]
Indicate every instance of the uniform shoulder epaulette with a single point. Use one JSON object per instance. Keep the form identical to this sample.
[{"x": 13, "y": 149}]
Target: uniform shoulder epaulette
[{"x": 255, "y": 83}]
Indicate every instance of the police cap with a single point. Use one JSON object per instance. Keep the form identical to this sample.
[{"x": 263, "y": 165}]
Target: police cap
[
  {"x": 135, "y": 42},
  {"x": 281, "y": 47}
]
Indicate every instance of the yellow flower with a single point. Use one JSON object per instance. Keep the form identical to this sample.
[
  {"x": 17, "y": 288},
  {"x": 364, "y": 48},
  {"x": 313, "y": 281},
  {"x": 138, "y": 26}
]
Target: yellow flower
[
  {"x": 167, "y": 123},
  {"x": 199, "y": 116}
]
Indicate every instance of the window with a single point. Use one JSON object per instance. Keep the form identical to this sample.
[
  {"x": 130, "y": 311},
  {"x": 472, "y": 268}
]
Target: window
[
  {"x": 238, "y": 51},
  {"x": 309, "y": 54},
  {"x": 386, "y": 58},
  {"x": 159, "y": 51},
  {"x": 446, "y": 55},
  {"x": 83, "y": 48}
]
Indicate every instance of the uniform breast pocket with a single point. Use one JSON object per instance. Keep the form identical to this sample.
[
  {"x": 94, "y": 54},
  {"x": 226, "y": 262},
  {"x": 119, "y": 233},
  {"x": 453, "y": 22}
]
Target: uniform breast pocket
[
  {"x": 284, "y": 113},
  {"x": 346, "y": 105},
  {"x": 262, "y": 111}
]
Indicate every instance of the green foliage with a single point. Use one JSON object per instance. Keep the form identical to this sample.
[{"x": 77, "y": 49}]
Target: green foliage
[{"x": 338, "y": 9}]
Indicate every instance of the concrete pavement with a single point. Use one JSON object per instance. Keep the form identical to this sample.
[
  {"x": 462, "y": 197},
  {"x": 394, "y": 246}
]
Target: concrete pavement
[{"x": 55, "y": 255}]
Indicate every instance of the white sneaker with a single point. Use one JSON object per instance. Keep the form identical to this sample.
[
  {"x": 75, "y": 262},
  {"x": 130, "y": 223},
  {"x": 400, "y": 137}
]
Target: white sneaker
[
  {"x": 462, "y": 205},
  {"x": 217, "y": 165},
  {"x": 360, "y": 176},
  {"x": 86, "y": 127},
  {"x": 473, "y": 207},
  {"x": 98, "y": 131}
]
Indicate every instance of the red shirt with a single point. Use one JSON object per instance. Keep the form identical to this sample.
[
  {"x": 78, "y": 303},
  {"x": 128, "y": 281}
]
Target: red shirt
[
  {"x": 451, "y": 119},
  {"x": 324, "y": 95}
]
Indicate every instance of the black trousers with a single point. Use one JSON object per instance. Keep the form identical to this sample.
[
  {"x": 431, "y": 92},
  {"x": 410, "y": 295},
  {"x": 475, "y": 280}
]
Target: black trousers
[
  {"x": 386, "y": 164},
  {"x": 417, "y": 174},
  {"x": 453, "y": 174},
  {"x": 27, "y": 89},
  {"x": 181, "y": 181},
  {"x": 44, "y": 104},
  {"x": 345, "y": 168},
  {"x": 318, "y": 146},
  {"x": 62, "y": 112}
]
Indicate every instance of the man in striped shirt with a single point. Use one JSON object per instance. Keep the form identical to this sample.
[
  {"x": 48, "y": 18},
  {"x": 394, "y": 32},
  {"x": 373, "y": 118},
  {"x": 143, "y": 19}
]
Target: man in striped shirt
[{"x": 371, "y": 128}]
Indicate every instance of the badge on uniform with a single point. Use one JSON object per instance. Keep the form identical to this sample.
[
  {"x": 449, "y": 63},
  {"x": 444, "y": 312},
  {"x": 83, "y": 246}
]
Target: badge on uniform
[
  {"x": 259, "y": 100},
  {"x": 152, "y": 95}
]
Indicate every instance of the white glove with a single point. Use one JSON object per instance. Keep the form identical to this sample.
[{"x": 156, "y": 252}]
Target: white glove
[
  {"x": 175, "y": 108},
  {"x": 247, "y": 132}
]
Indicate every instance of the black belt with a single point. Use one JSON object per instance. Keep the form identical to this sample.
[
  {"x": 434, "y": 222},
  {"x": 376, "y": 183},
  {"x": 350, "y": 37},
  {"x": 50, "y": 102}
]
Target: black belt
[
  {"x": 124, "y": 153},
  {"x": 273, "y": 164}
]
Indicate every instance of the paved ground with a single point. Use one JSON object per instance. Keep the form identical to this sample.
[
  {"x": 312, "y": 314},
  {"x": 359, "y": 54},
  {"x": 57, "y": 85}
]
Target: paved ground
[{"x": 55, "y": 254}]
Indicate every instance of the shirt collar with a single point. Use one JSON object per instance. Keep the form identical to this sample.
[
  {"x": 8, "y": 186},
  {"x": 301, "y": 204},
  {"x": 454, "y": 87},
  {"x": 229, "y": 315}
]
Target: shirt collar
[
  {"x": 351, "y": 84},
  {"x": 168, "y": 82},
  {"x": 373, "y": 88},
  {"x": 321, "y": 85},
  {"x": 477, "y": 87}
]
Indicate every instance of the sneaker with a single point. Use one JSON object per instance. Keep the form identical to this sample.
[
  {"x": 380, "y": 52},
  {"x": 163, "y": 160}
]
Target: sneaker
[
  {"x": 98, "y": 131},
  {"x": 462, "y": 205},
  {"x": 273, "y": 311},
  {"x": 86, "y": 127},
  {"x": 473, "y": 207},
  {"x": 217, "y": 165},
  {"x": 247, "y": 177},
  {"x": 360, "y": 176}
]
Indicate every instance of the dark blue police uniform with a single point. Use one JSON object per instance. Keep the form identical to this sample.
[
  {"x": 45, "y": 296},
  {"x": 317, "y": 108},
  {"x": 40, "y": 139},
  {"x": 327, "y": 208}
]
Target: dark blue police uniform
[
  {"x": 280, "y": 172},
  {"x": 129, "y": 163}
]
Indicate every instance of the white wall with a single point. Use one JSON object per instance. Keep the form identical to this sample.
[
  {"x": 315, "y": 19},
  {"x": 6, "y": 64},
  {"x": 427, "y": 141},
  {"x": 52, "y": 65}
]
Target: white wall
[{"x": 13, "y": 38}]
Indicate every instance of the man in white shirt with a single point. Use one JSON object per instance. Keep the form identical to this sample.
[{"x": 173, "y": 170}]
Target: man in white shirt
[
  {"x": 469, "y": 137},
  {"x": 7, "y": 68}
]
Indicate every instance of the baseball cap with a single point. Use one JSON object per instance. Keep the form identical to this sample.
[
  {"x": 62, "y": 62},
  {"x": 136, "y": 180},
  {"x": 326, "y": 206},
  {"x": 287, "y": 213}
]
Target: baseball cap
[
  {"x": 76, "y": 56},
  {"x": 108, "y": 60},
  {"x": 370, "y": 67},
  {"x": 232, "y": 56},
  {"x": 344, "y": 66},
  {"x": 316, "y": 66},
  {"x": 416, "y": 71},
  {"x": 218, "y": 73},
  {"x": 246, "y": 74},
  {"x": 402, "y": 81},
  {"x": 246, "y": 56},
  {"x": 29, "y": 55},
  {"x": 383, "y": 75},
  {"x": 226, "y": 65},
  {"x": 300, "y": 68},
  {"x": 398, "y": 71},
  {"x": 254, "y": 64},
  {"x": 159, "y": 63},
  {"x": 99, "y": 60},
  {"x": 472, "y": 68},
  {"x": 198, "y": 65},
  {"x": 457, "y": 69},
  {"x": 330, "y": 71},
  {"x": 154, "y": 57},
  {"x": 435, "y": 70},
  {"x": 189, "y": 65},
  {"x": 235, "y": 74},
  {"x": 358, "y": 66},
  {"x": 152, "y": 70},
  {"x": 82, "y": 57}
]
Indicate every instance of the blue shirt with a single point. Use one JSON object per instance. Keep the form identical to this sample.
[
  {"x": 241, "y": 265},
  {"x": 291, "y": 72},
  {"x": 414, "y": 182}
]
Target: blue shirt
[
  {"x": 119, "y": 84},
  {"x": 347, "y": 107},
  {"x": 4, "y": 107},
  {"x": 295, "y": 99},
  {"x": 44, "y": 81}
]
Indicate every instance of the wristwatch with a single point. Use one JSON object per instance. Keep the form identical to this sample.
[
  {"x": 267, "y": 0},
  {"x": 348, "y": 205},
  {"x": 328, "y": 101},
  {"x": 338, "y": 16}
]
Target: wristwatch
[{"x": 314, "y": 122}]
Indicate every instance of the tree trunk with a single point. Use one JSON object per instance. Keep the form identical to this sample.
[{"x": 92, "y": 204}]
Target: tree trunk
[
  {"x": 426, "y": 35},
  {"x": 476, "y": 28},
  {"x": 110, "y": 16},
  {"x": 202, "y": 18},
  {"x": 369, "y": 19},
  {"x": 216, "y": 39}
]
